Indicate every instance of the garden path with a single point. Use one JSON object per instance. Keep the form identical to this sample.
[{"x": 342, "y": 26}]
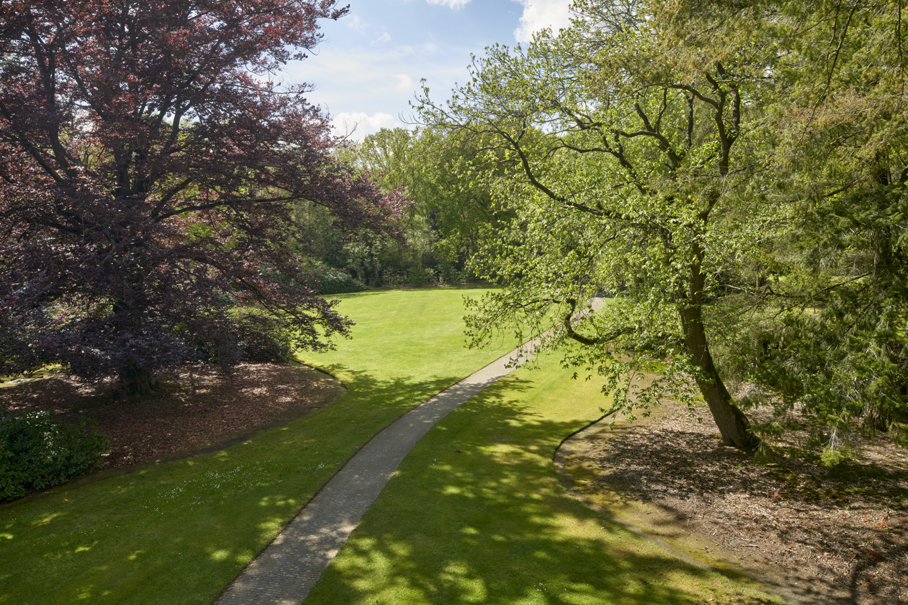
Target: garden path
[{"x": 285, "y": 572}]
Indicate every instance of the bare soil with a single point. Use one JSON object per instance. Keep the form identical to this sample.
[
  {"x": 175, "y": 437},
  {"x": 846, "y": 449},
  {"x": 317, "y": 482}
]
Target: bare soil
[
  {"x": 808, "y": 533},
  {"x": 198, "y": 410}
]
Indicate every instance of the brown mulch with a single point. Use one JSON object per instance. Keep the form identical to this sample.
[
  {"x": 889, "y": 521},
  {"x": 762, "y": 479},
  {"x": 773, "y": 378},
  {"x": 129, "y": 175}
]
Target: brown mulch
[
  {"x": 814, "y": 534},
  {"x": 198, "y": 410}
]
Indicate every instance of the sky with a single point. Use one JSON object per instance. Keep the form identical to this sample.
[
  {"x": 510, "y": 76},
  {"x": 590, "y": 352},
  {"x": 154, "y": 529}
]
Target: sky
[{"x": 368, "y": 67}]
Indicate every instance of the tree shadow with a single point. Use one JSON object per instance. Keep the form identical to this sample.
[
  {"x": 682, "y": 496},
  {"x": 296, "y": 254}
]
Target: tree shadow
[
  {"x": 476, "y": 514},
  {"x": 181, "y": 531},
  {"x": 817, "y": 535}
]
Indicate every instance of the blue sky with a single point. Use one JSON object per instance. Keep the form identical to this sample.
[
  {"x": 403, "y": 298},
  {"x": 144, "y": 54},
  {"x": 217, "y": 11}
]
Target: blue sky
[{"x": 369, "y": 65}]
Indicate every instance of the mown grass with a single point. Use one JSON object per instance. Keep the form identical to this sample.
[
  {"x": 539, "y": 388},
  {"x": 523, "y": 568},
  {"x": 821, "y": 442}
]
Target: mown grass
[
  {"x": 179, "y": 532},
  {"x": 476, "y": 514}
]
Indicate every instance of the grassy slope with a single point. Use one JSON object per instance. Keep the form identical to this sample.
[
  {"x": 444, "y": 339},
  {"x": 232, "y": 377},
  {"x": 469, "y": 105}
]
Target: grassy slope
[
  {"x": 179, "y": 532},
  {"x": 491, "y": 524}
]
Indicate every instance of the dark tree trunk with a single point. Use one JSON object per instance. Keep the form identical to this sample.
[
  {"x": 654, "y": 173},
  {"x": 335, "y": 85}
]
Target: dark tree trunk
[
  {"x": 137, "y": 382},
  {"x": 731, "y": 421}
]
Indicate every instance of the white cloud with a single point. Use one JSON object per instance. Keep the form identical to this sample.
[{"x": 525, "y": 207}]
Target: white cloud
[
  {"x": 357, "y": 124},
  {"x": 354, "y": 22},
  {"x": 450, "y": 3},
  {"x": 404, "y": 82},
  {"x": 542, "y": 14},
  {"x": 385, "y": 37}
]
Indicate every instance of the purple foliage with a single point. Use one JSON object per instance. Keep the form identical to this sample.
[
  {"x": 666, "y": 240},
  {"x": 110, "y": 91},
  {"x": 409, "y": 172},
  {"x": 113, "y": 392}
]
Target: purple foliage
[{"x": 146, "y": 164}]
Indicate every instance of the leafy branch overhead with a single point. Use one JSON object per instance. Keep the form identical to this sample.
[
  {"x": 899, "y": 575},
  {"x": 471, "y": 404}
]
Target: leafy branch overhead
[{"x": 732, "y": 174}]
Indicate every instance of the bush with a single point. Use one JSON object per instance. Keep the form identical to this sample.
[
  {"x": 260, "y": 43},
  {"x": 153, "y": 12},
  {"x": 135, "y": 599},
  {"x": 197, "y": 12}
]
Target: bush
[
  {"x": 335, "y": 281},
  {"x": 37, "y": 453},
  {"x": 418, "y": 276},
  {"x": 262, "y": 341}
]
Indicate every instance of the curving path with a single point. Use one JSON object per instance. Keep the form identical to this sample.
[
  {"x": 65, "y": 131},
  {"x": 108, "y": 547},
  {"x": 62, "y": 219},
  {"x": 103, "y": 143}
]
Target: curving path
[{"x": 285, "y": 572}]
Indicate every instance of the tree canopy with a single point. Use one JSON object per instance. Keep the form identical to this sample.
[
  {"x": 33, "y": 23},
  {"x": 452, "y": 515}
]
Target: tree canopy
[
  {"x": 148, "y": 159},
  {"x": 733, "y": 173}
]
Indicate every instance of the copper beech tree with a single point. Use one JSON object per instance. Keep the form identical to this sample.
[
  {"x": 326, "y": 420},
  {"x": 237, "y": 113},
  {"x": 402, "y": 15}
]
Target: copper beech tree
[{"x": 147, "y": 161}]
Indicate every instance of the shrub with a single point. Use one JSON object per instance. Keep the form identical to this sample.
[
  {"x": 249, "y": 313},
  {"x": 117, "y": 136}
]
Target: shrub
[
  {"x": 419, "y": 276},
  {"x": 449, "y": 274},
  {"x": 335, "y": 281},
  {"x": 37, "y": 453},
  {"x": 261, "y": 340}
]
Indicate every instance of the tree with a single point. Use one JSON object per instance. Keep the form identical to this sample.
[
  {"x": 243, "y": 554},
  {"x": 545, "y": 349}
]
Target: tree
[
  {"x": 735, "y": 174},
  {"x": 833, "y": 336},
  {"x": 442, "y": 177},
  {"x": 629, "y": 153},
  {"x": 147, "y": 164}
]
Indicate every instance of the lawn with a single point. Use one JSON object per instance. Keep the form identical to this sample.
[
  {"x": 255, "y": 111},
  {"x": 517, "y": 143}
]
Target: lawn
[
  {"x": 179, "y": 532},
  {"x": 476, "y": 514}
]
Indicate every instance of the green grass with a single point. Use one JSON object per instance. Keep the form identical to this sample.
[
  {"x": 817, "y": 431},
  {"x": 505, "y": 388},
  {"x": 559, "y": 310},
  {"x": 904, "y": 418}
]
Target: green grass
[
  {"x": 476, "y": 515},
  {"x": 179, "y": 532}
]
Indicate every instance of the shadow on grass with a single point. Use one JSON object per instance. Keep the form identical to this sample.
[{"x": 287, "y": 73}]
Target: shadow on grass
[
  {"x": 179, "y": 532},
  {"x": 476, "y": 514}
]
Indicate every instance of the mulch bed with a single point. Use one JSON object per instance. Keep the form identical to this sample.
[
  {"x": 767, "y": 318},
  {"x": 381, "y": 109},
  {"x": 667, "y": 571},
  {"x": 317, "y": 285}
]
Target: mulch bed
[
  {"x": 822, "y": 535},
  {"x": 198, "y": 410}
]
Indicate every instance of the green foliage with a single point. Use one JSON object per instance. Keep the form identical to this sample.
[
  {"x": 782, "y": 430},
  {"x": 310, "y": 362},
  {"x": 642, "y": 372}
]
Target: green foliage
[
  {"x": 451, "y": 213},
  {"x": 420, "y": 276},
  {"x": 735, "y": 173},
  {"x": 826, "y": 296},
  {"x": 336, "y": 281},
  {"x": 37, "y": 453}
]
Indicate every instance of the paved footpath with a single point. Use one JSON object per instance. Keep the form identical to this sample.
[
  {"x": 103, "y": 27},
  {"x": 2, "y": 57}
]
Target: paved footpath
[{"x": 284, "y": 573}]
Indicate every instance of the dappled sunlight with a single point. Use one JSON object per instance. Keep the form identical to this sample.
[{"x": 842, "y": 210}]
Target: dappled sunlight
[
  {"x": 278, "y": 501},
  {"x": 476, "y": 514},
  {"x": 201, "y": 519},
  {"x": 46, "y": 519}
]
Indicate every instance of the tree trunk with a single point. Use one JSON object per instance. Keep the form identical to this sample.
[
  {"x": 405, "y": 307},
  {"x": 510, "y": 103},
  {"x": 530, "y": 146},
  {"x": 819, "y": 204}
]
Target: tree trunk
[
  {"x": 876, "y": 417},
  {"x": 137, "y": 382},
  {"x": 733, "y": 424}
]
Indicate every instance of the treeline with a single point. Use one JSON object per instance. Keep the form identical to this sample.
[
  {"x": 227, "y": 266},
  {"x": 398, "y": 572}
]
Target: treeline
[
  {"x": 735, "y": 173},
  {"x": 451, "y": 214}
]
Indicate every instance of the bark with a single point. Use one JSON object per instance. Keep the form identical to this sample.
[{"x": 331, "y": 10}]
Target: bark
[
  {"x": 877, "y": 417},
  {"x": 731, "y": 421},
  {"x": 137, "y": 382}
]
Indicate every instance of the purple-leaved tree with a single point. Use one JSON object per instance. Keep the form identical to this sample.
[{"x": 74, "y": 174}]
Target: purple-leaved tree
[{"x": 147, "y": 160}]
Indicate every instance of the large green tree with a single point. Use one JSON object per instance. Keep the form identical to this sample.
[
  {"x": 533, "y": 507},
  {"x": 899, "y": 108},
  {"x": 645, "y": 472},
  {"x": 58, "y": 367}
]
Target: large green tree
[
  {"x": 442, "y": 174},
  {"x": 629, "y": 158},
  {"x": 833, "y": 332},
  {"x": 734, "y": 172}
]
